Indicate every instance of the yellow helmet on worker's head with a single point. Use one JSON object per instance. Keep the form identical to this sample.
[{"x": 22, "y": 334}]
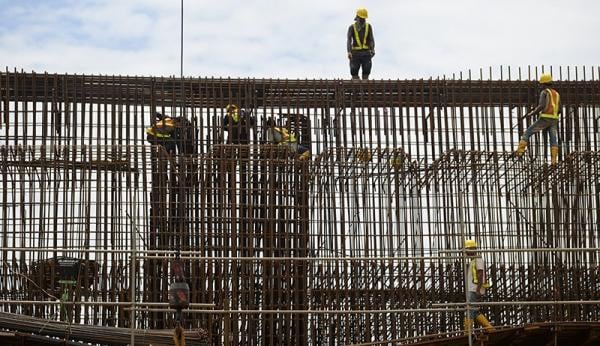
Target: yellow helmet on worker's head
[
  {"x": 362, "y": 13},
  {"x": 545, "y": 78},
  {"x": 470, "y": 244},
  {"x": 231, "y": 108}
]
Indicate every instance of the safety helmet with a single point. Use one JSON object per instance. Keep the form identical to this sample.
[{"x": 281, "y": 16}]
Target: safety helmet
[
  {"x": 545, "y": 78},
  {"x": 470, "y": 244},
  {"x": 231, "y": 108},
  {"x": 362, "y": 13}
]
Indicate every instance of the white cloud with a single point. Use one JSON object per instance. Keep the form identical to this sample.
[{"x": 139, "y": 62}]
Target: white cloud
[{"x": 299, "y": 39}]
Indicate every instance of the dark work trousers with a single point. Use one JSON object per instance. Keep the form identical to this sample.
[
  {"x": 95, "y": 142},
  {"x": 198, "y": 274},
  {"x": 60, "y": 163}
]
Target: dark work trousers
[{"x": 360, "y": 58}]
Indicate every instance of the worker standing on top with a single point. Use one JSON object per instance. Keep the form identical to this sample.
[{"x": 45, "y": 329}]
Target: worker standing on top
[
  {"x": 360, "y": 45},
  {"x": 476, "y": 286},
  {"x": 548, "y": 108}
]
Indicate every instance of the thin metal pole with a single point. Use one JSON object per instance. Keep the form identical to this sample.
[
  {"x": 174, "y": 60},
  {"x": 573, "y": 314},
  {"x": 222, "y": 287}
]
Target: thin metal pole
[
  {"x": 464, "y": 257},
  {"x": 324, "y": 259},
  {"x": 181, "y": 54},
  {"x": 579, "y": 249},
  {"x": 324, "y": 312},
  {"x": 540, "y": 302},
  {"x": 132, "y": 280},
  {"x": 138, "y": 304},
  {"x": 333, "y": 258}
]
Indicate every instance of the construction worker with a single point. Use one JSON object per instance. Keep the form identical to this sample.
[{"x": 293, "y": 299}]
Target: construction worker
[
  {"x": 281, "y": 136},
  {"x": 238, "y": 123},
  {"x": 476, "y": 286},
  {"x": 360, "y": 45},
  {"x": 173, "y": 134},
  {"x": 548, "y": 109},
  {"x": 163, "y": 132}
]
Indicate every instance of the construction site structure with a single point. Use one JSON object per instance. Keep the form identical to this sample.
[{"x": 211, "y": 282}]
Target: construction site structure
[{"x": 362, "y": 244}]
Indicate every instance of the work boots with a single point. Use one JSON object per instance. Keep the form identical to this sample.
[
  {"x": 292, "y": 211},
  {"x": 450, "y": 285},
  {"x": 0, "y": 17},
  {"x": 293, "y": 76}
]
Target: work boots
[
  {"x": 554, "y": 154},
  {"x": 521, "y": 148},
  {"x": 305, "y": 156},
  {"x": 485, "y": 323}
]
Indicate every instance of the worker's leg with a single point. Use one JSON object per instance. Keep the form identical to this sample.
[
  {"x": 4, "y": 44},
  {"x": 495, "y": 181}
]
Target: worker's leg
[
  {"x": 472, "y": 313},
  {"x": 366, "y": 66},
  {"x": 553, "y": 134},
  {"x": 536, "y": 127},
  {"x": 480, "y": 318},
  {"x": 354, "y": 65}
]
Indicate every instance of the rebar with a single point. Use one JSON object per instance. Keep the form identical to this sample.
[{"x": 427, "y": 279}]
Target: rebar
[{"x": 401, "y": 172}]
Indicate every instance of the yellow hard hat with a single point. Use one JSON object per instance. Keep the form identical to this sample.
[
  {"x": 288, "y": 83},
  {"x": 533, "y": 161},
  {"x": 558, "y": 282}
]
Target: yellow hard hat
[
  {"x": 545, "y": 78},
  {"x": 231, "y": 108},
  {"x": 362, "y": 13},
  {"x": 470, "y": 244}
]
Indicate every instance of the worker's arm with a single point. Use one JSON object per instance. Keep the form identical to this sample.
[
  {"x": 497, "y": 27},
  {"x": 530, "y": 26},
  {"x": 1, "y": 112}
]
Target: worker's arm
[
  {"x": 479, "y": 281},
  {"x": 371, "y": 40},
  {"x": 349, "y": 38},
  {"x": 541, "y": 105}
]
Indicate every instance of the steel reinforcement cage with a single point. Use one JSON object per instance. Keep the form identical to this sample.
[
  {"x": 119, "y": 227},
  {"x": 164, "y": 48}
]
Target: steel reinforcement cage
[{"x": 360, "y": 243}]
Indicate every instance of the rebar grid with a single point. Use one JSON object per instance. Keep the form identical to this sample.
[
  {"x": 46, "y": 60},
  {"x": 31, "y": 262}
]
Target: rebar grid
[{"x": 401, "y": 171}]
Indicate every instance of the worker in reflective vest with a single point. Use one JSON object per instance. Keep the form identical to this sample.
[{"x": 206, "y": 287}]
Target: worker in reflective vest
[
  {"x": 281, "y": 136},
  {"x": 548, "y": 108},
  {"x": 360, "y": 45},
  {"x": 163, "y": 132},
  {"x": 238, "y": 123},
  {"x": 476, "y": 286}
]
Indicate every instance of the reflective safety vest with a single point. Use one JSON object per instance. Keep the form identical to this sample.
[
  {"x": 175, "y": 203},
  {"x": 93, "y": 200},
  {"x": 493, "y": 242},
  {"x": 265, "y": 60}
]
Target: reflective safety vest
[
  {"x": 235, "y": 116},
  {"x": 552, "y": 104},
  {"x": 474, "y": 274},
  {"x": 285, "y": 135},
  {"x": 162, "y": 129},
  {"x": 360, "y": 45}
]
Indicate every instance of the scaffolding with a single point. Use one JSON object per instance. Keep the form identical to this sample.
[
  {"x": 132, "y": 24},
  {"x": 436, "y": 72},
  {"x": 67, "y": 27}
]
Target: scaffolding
[{"x": 362, "y": 244}]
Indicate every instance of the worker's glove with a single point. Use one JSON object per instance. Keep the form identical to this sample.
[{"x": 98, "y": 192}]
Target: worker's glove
[
  {"x": 349, "y": 55},
  {"x": 372, "y": 53}
]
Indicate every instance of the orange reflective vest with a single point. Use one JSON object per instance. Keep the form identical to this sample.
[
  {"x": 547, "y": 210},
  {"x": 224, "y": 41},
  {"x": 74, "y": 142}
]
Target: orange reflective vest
[{"x": 552, "y": 105}]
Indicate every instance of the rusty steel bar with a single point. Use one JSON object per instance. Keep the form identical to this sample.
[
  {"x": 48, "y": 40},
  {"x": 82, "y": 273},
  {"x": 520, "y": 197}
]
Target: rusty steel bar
[{"x": 400, "y": 173}]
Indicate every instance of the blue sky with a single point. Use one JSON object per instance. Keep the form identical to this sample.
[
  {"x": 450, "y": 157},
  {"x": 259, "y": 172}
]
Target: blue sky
[{"x": 293, "y": 39}]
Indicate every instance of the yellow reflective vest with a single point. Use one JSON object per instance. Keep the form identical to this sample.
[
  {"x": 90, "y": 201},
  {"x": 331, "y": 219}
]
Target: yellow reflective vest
[
  {"x": 360, "y": 45},
  {"x": 474, "y": 273},
  {"x": 162, "y": 129},
  {"x": 285, "y": 135}
]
